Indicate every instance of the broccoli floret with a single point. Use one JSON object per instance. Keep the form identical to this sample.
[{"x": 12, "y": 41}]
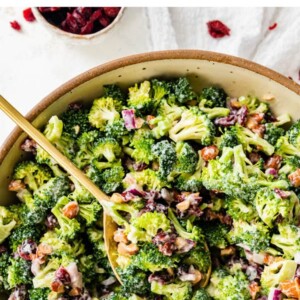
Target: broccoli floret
[
  {"x": 229, "y": 175},
  {"x": 224, "y": 287},
  {"x": 22, "y": 233},
  {"x": 140, "y": 97},
  {"x": 4, "y": 264},
  {"x": 32, "y": 174},
  {"x": 42, "y": 157},
  {"x": 294, "y": 134},
  {"x": 173, "y": 291},
  {"x": 117, "y": 130},
  {"x": 103, "y": 112},
  {"x": 195, "y": 233},
  {"x": 61, "y": 247},
  {"x": 32, "y": 211},
  {"x": 79, "y": 194},
  {"x": 288, "y": 240},
  {"x": 134, "y": 280},
  {"x": 270, "y": 205},
  {"x": 273, "y": 133},
  {"x": 49, "y": 193},
  {"x": 277, "y": 272},
  {"x": 167, "y": 114},
  {"x": 7, "y": 223},
  {"x": 67, "y": 227},
  {"x": 250, "y": 139},
  {"x": 149, "y": 258},
  {"x": 147, "y": 179},
  {"x": 228, "y": 139},
  {"x": 63, "y": 141},
  {"x": 108, "y": 148},
  {"x": 117, "y": 211},
  {"x": 216, "y": 235},
  {"x": 199, "y": 257},
  {"x": 142, "y": 142},
  {"x": 39, "y": 294},
  {"x": 75, "y": 121},
  {"x": 285, "y": 148},
  {"x": 216, "y": 112},
  {"x": 160, "y": 89},
  {"x": 146, "y": 226},
  {"x": 201, "y": 294},
  {"x": 239, "y": 210},
  {"x": 191, "y": 182},
  {"x": 256, "y": 236},
  {"x": 182, "y": 91},
  {"x": 115, "y": 92},
  {"x": 234, "y": 175},
  {"x": 95, "y": 236},
  {"x": 90, "y": 212},
  {"x": 18, "y": 272},
  {"x": 165, "y": 152},
  {"x": 253, "y": 104},
  {"x": 187, "y": 158},
  {"x": 214, "y": 97},
  {"x": 107, "y": 175},
  {"x": 86, "y": 143},
  {"x": 193, "y": 125},
  {"x": 45, "y": 276}
]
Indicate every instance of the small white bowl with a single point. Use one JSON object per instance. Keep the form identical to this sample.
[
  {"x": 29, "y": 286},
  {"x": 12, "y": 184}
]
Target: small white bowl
[{"x": 77, "y": 38}]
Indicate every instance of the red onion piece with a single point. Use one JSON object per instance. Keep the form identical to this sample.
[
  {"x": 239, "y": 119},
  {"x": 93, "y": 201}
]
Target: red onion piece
[
  {"x": 129, "y": 118},
  {"x": 275, "y": 294}
]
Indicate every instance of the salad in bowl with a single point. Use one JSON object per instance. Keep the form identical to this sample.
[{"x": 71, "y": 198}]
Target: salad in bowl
[{"x": 204, "y": 194}]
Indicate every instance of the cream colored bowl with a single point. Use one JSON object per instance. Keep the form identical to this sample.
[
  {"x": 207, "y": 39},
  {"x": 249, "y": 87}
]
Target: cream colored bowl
[{"x": 237, "y": 76}]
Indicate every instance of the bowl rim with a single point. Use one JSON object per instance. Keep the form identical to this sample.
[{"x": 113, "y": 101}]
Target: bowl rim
[{"x": 140, "y": 58}]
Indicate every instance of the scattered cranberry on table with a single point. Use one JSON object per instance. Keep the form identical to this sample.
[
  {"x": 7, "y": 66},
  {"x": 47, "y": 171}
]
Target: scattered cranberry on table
[{"x": 80, "y": 20}]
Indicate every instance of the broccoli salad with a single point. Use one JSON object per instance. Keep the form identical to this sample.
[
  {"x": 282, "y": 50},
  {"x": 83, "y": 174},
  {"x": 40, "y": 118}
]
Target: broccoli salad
[{"x": 204, "y": 191}]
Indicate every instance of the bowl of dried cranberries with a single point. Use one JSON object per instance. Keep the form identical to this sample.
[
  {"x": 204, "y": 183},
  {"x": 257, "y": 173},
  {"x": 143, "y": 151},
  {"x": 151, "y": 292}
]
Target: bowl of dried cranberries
[{"x": 79, "y": 23}]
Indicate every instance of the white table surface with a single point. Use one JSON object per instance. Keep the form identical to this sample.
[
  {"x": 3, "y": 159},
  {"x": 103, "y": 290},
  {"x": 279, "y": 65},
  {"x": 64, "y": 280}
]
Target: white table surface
[{"x": 33, "y": 62}]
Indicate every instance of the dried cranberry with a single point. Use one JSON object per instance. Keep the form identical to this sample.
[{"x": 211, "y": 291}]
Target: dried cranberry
[
  {"x": 217, "y": 29},
  {"x": 29, "y": 145},
  {"x": 75, "y": 106},
  {"x": 111, "y": 12},
  {"x": 51, "y": 222},
  {"x": 26, "y": 249},
  {"x": 97, "y": 14},
  {"x": 139, "y": 166},
  {"x": 28, "y": 15},
  {"x": 165, "y": 242},
  {"x": 88, "y": 28},
  {"x": 71, "y": 24},
  {"x": 81, "y": 21},
  {"x": 15, "y": 25},
  {"x": 104, "y": 21},
  {"x": 226, "y": 121},
  {"x": 161, "y": 277},
  {"x": 3, "y": 249},
  {"x": 48, "y": 9},
  {"x": 63, "y": 276},
  {"x": 242, "y": 115},
  {"x": 272, "y": 27},
  {"x": 254, "y": 157},
  {"x": 19, "y": 293}
]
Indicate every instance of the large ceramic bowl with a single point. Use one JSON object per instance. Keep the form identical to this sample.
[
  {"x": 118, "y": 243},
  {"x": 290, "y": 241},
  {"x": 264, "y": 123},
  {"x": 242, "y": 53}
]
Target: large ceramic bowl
[{"x": 237, "y": 76}]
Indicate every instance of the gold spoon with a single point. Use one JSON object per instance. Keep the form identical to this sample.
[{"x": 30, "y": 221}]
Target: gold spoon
[{"x": 109, "y": 225}]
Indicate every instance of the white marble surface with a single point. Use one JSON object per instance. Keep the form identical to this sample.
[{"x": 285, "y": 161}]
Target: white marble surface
[{"x": 34, "y": 62}]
